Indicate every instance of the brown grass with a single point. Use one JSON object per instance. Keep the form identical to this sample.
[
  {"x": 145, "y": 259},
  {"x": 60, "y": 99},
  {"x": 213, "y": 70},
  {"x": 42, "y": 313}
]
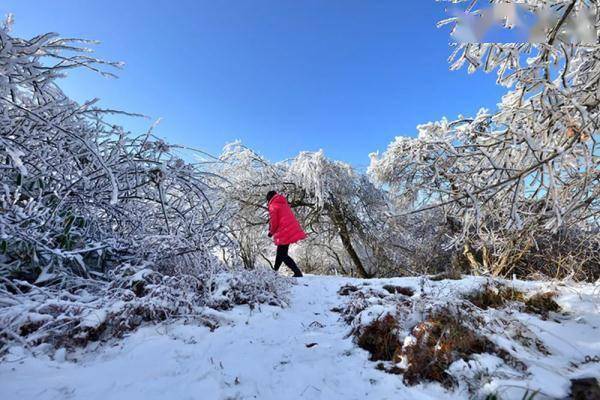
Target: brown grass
[
  {"x": 440, "y": 340},
  {"x": 347, "y": 289},
  {"x": 453, "y": 274},
  {"x": 406, "y": 291},
  {"x": 497, "y": 296},
  {"x": 380, "y": 339},
  {"x": 494, "y": 296},
  {"x": 542, "y": 303}
]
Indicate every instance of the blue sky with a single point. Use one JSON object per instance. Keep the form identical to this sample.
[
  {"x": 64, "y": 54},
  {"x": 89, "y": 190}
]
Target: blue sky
[{"x": 283, "y": 76}]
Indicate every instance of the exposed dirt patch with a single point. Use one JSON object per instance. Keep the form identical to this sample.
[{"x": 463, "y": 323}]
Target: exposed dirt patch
[{"x": 585, "y": 388}]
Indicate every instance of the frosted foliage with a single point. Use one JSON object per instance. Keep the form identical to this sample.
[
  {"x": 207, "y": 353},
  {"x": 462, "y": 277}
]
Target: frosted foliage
[
  {"x": 320, "y": 176},
  {"x": 78, "y": 194},
  {"x": 532, "y": 165},
  {"x": 246, "y": 179},
  {"x": 350, "y": 222}
]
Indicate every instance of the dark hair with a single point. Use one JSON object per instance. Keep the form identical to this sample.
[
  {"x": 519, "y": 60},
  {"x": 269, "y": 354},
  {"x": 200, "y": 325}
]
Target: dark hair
[{"x": 270, "y": 195}]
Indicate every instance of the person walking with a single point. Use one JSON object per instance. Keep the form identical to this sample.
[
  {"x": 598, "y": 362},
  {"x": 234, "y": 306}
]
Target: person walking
[{"x": 285, "y": 230}]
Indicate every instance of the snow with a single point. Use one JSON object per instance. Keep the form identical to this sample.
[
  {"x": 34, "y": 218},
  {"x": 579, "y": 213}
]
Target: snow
[
  {"x": 16, "y": 156},
  {"x": 93, "y": 319},
  {"x": 264, "y": 354}
]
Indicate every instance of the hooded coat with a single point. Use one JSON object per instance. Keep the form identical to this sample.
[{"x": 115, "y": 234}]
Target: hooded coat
[{"x": 283, "y": 224}]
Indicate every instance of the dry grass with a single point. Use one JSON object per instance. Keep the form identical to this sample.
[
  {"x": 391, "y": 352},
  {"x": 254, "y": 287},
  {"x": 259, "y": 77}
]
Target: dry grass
[
  {"x": 542, "y": 303},
  {"x": 494, "y": 296},
  {"x": 534, "y": 254},
  {"x": 497, "y": 296},
  {"x": 347, "y": 289},
  {"x": 438, "y": 342},
  {"x": 380, "y": 339},
  {"x": 452, "y": 274},
  {"x": 445, "y": 334},
  {"x": 406, "y": 291}
]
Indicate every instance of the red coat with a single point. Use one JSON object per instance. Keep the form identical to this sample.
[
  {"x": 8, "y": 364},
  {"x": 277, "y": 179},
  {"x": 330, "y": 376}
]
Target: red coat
[{"x": 283, "y": 225}]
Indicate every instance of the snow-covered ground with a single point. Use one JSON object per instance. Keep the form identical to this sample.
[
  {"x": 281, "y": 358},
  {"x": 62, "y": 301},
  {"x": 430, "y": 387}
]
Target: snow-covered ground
[{"x": 300, "y": 352}]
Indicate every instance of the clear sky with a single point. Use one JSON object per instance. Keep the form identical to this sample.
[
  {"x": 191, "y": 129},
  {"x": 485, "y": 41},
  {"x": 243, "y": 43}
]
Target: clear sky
[{"x": 283, "y": 76}]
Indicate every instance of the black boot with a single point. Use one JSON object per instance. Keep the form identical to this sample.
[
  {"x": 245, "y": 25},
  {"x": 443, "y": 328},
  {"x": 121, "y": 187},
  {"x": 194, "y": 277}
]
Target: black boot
[{"x": 297, "y": 273}]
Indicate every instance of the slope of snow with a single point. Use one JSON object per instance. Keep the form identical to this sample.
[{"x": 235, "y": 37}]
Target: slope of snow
[{"x": 301, "y": 352}]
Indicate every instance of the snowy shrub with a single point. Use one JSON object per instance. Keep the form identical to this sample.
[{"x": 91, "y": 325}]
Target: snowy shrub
[
  {"x": 425, "y": 332},
  {"x": 89, "y": 310}
]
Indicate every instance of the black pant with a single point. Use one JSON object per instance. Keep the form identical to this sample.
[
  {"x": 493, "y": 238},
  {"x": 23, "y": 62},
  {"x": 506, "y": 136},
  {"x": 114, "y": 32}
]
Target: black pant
[{"x": 283, "y": 257}]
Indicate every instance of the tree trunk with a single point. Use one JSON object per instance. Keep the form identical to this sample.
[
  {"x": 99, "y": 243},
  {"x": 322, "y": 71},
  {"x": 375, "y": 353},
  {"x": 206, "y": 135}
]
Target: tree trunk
[{"x": 339, "y": 221}]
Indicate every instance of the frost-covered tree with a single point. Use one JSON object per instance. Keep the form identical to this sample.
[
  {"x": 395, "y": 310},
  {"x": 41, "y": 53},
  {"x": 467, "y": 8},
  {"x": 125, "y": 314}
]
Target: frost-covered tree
[
  {"x": 530, "y": 168},
  {"x": 348, "y": 219},
  {"x": 101, "y": 230},
  {"x": 246, "y": 178},
  {"x": 80, "y": 194},
  {"x": 348, "y": 209}
]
